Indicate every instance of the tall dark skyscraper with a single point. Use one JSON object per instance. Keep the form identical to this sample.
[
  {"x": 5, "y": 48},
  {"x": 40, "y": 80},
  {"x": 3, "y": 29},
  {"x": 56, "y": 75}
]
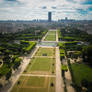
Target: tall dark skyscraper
[{"x": 49, "y": 16}]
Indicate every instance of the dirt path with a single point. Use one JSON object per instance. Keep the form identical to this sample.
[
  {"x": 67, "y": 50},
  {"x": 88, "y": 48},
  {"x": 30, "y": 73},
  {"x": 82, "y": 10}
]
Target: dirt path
[
  {"x": 44, "y": 56},
  {"x": 67, "y": 77},
  {"x": 59, "y": 80},
  {"x": 68, "y": 81},
  {"x": 56, "y": 36},
  {"x": 44, "y": 37},
  {"x": 39, "y": 75}
]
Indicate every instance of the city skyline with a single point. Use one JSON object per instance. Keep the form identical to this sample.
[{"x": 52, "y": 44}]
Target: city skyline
[{"x": 38, "y": 9}]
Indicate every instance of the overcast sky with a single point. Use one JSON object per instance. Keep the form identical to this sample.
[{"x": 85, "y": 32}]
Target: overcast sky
[{"x": 38, "y": 9}]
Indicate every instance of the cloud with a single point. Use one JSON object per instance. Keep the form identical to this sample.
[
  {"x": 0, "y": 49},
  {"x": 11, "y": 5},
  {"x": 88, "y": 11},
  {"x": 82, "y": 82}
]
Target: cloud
[
  {"x": 54, "y": 7},
  {"x": 44, "y": 7},
  {"x": 88, "y": 2},
  {"x": 82, "y": 12},
  {"x": 90, "y": 8},
  {"x": 11, "y": 0},
  {"x": 36, "y": 9},
  {"x": 71, "y": 1}
]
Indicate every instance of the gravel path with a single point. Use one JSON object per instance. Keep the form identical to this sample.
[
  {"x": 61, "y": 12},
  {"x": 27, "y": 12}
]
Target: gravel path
[
  {"x": 59, "y": 80},
  {"x": 44, "y": 37},
  {"x": 39, "y": 75},
  {"x": 67, "y": 75},
  {"x": 56, "y": 36},
  {"x": 68, "y": 80}
]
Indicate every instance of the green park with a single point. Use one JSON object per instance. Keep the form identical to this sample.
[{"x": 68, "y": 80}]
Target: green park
[
  {"x": 34, "y": 84},
  {"x": 42, "y": 63},
  {"x": 51, "y": 36}
]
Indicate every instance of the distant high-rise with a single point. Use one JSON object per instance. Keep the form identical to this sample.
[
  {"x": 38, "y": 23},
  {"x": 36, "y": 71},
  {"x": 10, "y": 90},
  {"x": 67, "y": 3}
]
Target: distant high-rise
[
  {"x": 66, "y": 18},
  {"x": 49, "y": 16}
]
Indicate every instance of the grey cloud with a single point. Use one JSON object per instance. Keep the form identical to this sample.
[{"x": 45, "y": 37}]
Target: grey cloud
[
  {"x": 11, "y": 0},
  {"x": 53, "y": 7},
  {"x": 44, "y": 7}
]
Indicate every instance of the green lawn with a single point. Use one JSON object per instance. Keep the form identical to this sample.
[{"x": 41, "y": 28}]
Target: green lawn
[
  {"x": 48, "y": 51},
  {"x": 81, "y": 71},
  {"x": 52, "y": 32},
  {"x": 38, "y": 65},
  {"x": 34, "y": 84},
  {"x": 35, "y": 81},
  {"x": 41, "y": 64},
  {"x": 62, "y": 52},
  {"x": 51, "y": 36},
  {"x": 52, "y": 89}
]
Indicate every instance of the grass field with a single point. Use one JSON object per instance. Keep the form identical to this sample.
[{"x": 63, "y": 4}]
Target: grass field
[
  {"x": 41, "y": 65},
  {"x": 48, "y": 51},
  {"x": 38, "y": 65},
  {"x": 52, "y": 32},
  {"x": 34, "y": 84},
  {"x": 51, "y": 36},
  {"x": 81, "y": 71}
]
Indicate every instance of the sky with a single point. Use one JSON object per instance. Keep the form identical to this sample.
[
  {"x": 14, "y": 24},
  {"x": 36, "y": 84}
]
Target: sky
[{"x": 38, "y": 9}]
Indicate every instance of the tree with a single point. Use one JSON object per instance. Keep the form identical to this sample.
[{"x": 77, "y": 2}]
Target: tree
[
  {"x": 8, "y": 75},
  {"x": 17, "y": 62},
  {"x": 87, "y": 54}
]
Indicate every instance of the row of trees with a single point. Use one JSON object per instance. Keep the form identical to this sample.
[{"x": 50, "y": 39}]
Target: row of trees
[
  {"x": 32, "y": 33},
  {"x": 74, "y": 34},
  {"x": 75, "y": 49},
  {"x": 87, "y": 54},
  {"x": 10, "y": 53},
  {"x": 9, "y": 63},
  {"x": 15, "y": 45}
]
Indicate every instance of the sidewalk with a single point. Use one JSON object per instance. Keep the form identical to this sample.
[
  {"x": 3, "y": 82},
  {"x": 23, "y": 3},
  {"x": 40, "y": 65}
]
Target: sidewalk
[{"x": 68, "y": 81}]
